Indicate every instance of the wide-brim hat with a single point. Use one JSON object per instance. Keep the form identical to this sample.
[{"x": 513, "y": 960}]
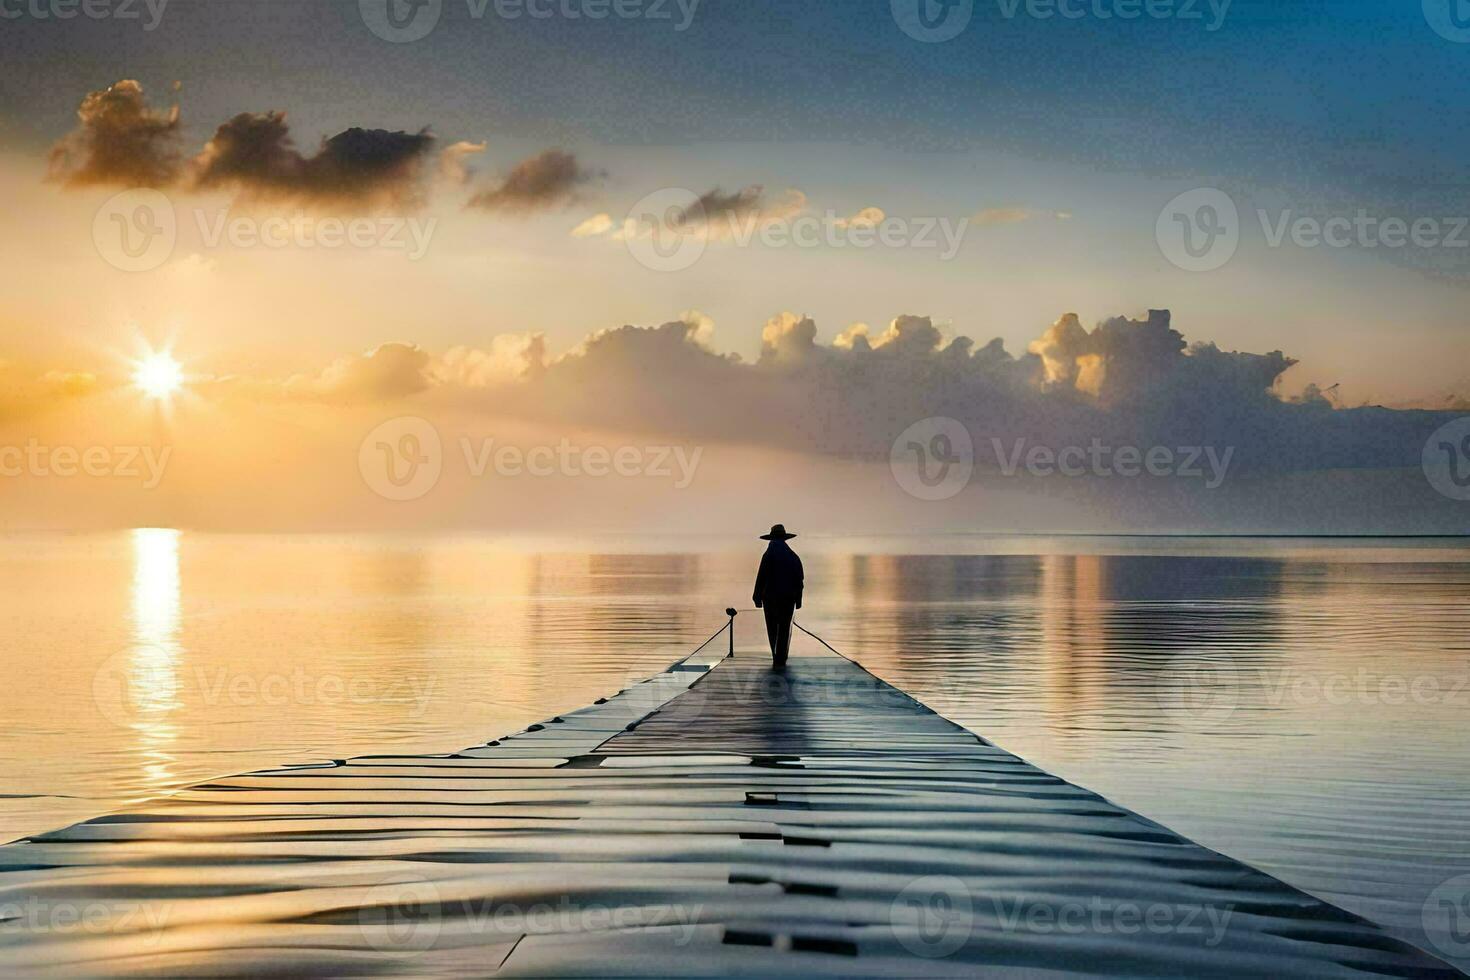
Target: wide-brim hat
[{"x": 778, "y": 533}]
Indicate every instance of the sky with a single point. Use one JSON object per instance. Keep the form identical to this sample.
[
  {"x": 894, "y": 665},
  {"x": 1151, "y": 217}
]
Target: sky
[{"x": 844, "y": 192}]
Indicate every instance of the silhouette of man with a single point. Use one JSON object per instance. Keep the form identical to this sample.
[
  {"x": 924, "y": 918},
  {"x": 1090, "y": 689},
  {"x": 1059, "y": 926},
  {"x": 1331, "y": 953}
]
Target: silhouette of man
[{"x": 778, "y": 591}]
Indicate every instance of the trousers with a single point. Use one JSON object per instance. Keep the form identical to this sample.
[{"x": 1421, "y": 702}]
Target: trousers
[{"x": 778, "y": 628}]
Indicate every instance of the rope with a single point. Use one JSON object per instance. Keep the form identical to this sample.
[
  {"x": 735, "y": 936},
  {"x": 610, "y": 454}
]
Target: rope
[
  {"x": 823, "y": 642},
  {"x": 808, "y": 633},
  {"x": 706, "y": 643},
  {"x": 729, "y": 624}
]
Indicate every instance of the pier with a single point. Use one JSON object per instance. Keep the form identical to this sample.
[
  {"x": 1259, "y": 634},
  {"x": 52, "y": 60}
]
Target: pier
[{"x": 717, "y": 819}]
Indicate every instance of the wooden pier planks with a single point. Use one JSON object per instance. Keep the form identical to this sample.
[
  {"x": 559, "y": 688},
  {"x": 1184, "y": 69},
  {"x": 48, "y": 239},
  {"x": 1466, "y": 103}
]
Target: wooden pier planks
[{"x": 816, "y": 822}]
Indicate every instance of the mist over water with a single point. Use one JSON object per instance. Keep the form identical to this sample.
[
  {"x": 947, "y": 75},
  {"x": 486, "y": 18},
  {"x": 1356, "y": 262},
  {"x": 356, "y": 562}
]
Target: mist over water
[{"x": 1297, "y": 704}]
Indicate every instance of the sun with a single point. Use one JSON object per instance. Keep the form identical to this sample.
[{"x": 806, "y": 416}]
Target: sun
[{"x": 158, "y": 375}]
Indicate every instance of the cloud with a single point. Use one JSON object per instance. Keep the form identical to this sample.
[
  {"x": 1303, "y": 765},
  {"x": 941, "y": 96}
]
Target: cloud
[
  {"x": 1123, "y": 382},
  {"x": 550, "y": 179},
  {"x": 454, "y": 161},
  {"x": 724, "y": 215},
  {"x": 68, "y": 383},
  {"x": 255, "y": 155},
  {"x": 386, "y": 373},
  {"x": 511, "y": 357},
  {"x": 718, "y": 215},
  {"x": 24, "y": 393},
  {"x": 598, "y": 224},
  {"x": 788, "y": 338},
  {"x": 866, "y": 218},
  {"x": 1015, "y": 215},
  {"x": 119, "y": 140}
]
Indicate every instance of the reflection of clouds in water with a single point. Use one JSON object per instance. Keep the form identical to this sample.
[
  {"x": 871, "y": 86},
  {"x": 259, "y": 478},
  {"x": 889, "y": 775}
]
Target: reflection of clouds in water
[
  {"x": 1107, "y": 631},
  {"x": 152, "y": 682},
  {"x": 623, "y": 601}
]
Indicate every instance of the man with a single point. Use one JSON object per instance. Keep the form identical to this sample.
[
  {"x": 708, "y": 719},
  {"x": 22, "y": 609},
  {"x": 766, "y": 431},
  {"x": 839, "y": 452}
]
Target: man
[{"x": 778, "y": 591}]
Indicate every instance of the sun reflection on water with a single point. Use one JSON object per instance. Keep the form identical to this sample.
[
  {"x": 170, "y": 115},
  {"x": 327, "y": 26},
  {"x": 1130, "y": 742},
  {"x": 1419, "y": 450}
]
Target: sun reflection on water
[{"x": 153, "y": 682}]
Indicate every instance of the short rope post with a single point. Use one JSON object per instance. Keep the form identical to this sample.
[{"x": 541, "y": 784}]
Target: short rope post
[{"x": 731, "y": 614}]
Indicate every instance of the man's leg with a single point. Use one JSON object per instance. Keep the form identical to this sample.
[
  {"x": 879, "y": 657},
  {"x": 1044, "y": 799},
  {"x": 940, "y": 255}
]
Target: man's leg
[
  {"x": 773, "y": 625},
  {"x": 782, "y": 646}
]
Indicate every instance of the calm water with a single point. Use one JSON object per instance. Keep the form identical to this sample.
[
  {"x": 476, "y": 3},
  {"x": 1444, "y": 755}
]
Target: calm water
[{"x": 1301, "y": 705}]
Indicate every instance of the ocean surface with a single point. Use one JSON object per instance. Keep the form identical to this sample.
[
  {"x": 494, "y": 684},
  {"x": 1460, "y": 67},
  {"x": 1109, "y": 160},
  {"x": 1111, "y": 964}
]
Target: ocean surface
[{"x": 1300, "y": 704}]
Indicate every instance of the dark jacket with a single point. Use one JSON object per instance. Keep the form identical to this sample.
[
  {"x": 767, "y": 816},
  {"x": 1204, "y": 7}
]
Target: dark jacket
[{"x": 780, "y": 578}]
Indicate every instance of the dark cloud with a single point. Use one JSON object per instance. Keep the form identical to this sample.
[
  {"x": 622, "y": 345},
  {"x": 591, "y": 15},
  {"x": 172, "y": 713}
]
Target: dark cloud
[
  {"x": 716, "y": 204},
  {"x": 119, "y": 140},
  {"x": 549, "y": 179},
  {"x": 255, "y": 155},
  {"x": 720, "y": 213}
]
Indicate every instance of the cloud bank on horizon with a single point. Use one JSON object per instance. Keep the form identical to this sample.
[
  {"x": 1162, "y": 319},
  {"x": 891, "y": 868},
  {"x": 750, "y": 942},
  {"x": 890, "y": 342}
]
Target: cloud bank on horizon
[
  {"x": 808, "y": 424},
  {"x": 1125, "y": 382}
]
